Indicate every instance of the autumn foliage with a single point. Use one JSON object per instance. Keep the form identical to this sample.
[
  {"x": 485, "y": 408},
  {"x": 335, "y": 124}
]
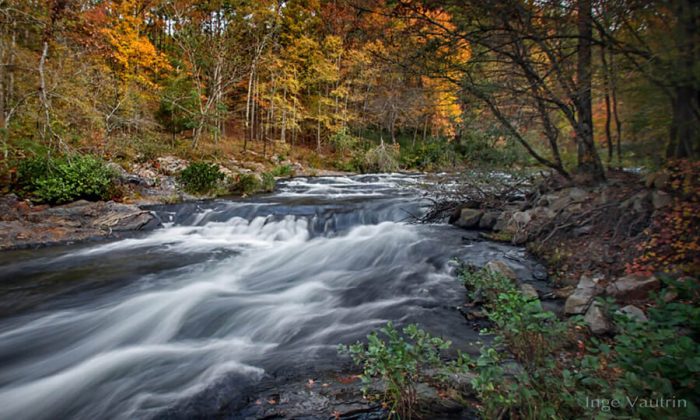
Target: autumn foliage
[{"x": 672, "y": 241}]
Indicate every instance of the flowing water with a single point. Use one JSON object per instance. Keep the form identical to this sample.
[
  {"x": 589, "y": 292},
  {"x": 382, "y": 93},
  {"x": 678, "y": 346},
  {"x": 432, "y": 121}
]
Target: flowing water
[{"x": 227, "y": 293}]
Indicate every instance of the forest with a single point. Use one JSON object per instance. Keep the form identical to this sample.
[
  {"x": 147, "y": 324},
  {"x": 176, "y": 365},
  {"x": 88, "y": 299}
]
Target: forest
[
  {"x": 204, "y": 204},
  {"x": 568, "y": 86}
]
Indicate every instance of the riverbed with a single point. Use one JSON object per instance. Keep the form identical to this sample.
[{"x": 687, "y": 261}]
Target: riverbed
[{"x": 188, "y": 320}]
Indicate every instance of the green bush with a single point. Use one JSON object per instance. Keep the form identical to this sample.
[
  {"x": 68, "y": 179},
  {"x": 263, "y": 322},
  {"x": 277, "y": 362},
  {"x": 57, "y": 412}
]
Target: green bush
[
  {"x": 382, "y": 158},
  {"x": 268, "y": 182},
  {"x": 398, "y": 361},
  {"x": 200, "y": 177},
  {"x": 248, "y": 184},
  {"x": 343, "y": 142},
  {"x": 282, "y": 170},
  {"x": 65, "y": 179},
  {"x": 429, "y": 155}
]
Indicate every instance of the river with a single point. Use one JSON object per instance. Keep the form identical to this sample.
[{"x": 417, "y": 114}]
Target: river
[{"x": 227, "y": 294}]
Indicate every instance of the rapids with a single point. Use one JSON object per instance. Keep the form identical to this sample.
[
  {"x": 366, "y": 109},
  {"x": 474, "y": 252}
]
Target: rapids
[{"x": 227, "y": 293}]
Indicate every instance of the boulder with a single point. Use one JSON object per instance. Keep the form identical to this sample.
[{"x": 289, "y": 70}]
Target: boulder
[
  {"x": 660, "y": 199},
  {"x": 488, "y": 220},
  {"x": 632, "y": 287},
  {"x": 596, "y": 320},
  {"x": 469, "y": 218},
  {"x": 560, "y": 203},
  {"x": 500, "y": 267},
  {"x": 583, "y": 295},
  {"x": 661, "y": 180},
  {"x": 576, "y": 194},
  {"x": 171, "y": 165},
  {"x": 633, "y": 312},
  {"x": 528, "y": 290}
]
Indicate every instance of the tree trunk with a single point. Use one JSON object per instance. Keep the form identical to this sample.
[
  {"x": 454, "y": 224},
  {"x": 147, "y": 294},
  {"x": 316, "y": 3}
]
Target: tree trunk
[
  {"x": 684, "y": 141},
  {"x": 588, "y": 158},
  {"x": 606, "y": 95}
]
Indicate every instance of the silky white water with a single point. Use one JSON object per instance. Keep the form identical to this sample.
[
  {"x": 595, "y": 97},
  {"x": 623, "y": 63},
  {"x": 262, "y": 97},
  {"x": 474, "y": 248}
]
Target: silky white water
[{"x": 226, "y": 293}]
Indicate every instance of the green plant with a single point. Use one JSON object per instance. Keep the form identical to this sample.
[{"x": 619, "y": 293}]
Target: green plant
[
  {"x": 282, "y": 170},
  {"x": 398, "y": 360},
  {"x": 246, "y": 184},
  {"x": 268, "y": 182},
  {"x": 65, "y": 179},
  {"x": 382, "y": 158},
  {"x": 343, "y": 141},
  {"x": 200, "y": 177}
]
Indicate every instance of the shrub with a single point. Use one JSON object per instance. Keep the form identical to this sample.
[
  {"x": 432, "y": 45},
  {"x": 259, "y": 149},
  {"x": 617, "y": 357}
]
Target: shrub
[
  {"x": 200, "y": 177},
  {"x": 268, "y": 182},
  {"x": 382, "y": 158},
  {"x": 61, "y": 180},
  {"x": 398, "y": 361},
  {"x": 343, "y": 142},
  {"x": 251, "y": 183},
  {"x": 282, "y": 170},
  {"x": 428, "y": 155}
]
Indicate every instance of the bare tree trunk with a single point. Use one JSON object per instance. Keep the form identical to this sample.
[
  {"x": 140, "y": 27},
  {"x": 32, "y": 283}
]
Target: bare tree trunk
[
  {"x": 248, "y": 109},
  {"x": 588, "y": 158},
  {"x": 318, "y": 127},
  {"x": 606, "y": 90},
  {"x": 618, "y": 124},
  {"x": 43, "y": 97},
  {"x": 283, "y": 129}
]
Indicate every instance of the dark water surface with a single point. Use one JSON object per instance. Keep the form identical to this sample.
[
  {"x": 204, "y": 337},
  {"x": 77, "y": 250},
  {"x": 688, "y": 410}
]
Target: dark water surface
[{"x": 230, "y": 292}]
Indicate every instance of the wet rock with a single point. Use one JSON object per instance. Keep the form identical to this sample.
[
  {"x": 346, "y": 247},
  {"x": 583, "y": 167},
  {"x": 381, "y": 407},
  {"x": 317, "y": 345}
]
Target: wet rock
[
  {"x": 583, "y": 295},
  {"x": 502, "y": 221},
  {"x": 596, "y": 320},
  {"x": 529, "y": 291},
  {"x": 468, "y": 218},
  {"x": 122, "y": 217},
  {"x": 635, "y": 313},
  {"x": 488, "y": 220},
  {"x": 632, "y": 287},
  {"x": 500, "y": 267},
  {"x": 77, "y": 221}
]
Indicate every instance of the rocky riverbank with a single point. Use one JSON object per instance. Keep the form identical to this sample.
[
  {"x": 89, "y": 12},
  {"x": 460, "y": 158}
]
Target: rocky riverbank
[
  {"x": 588, "y": 236},
  {"x": 23, "y": 225}
]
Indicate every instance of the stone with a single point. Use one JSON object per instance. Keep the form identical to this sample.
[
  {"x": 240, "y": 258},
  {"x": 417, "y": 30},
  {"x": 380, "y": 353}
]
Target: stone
[
  {"x": 500, "y": 267},
  {"x": 660, "y": 199},
  {"x": 634, "y": 313},
  {"x": 563, "y": 292},
  {"x": 528, "y": 290},
  {"x": 583, "y": 295},
  {"x": 171, "y": 165},
  {"x": 502, "y": 221},
  {"x": 469, "y": 218},
  {"x": 640, "y": 201},
  {"x": 661, "y": 180},
  {"x": 542, "y": 213},
  {"x": 596, "y": 320},
  {"x": 670, "y": 295},
  {"x": 577, "y": 195},
  {"x": 560, "y": 203},
  {"x": 632, "y": 287},
  {"x": 488, "y": 220}
]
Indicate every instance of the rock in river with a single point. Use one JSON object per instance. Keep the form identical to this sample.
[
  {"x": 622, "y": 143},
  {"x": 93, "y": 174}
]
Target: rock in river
[{"x": 25, "y": 226}]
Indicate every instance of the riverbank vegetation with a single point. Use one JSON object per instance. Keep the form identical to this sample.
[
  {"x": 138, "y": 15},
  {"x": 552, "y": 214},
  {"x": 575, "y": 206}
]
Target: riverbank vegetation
[{"x": 350, "y": 85}]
